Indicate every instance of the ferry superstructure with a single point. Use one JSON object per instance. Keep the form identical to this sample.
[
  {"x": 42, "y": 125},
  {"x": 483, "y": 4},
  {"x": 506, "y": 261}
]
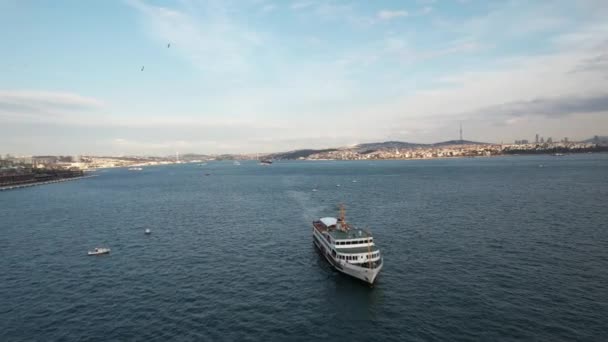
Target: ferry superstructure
[{"x": 349, "y": 250}]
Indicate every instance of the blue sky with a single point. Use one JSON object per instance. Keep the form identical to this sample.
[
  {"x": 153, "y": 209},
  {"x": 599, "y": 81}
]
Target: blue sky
[{"x": 261, "y": 75}]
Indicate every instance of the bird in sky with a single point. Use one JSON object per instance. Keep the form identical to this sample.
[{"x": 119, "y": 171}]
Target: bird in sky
[{"x": 142, "y": 68}]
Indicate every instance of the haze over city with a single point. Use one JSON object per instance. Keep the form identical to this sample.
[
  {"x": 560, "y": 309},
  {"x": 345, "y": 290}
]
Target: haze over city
[{"x": 152, "y": 77}]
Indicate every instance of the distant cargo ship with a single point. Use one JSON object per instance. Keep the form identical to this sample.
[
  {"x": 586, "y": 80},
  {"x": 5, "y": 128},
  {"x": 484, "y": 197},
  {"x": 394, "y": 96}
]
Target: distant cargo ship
[
  {"x": 265, "y": 162},
  {"x": 349, "y": 250}
]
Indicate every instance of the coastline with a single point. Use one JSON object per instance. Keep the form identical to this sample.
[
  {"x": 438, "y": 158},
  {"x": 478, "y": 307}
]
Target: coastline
[
  {"x": 27, "y": 185},
  {"x": 454, "y": 157}
]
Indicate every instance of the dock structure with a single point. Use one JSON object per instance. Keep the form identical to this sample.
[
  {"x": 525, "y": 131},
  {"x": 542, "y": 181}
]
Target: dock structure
[{"x": 27, "y": 185}]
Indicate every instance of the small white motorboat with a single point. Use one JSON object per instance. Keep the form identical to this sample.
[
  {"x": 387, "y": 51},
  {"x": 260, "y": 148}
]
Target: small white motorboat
[
  {"x": 314, "y": 190},
  {"x": 99, "y": 251},
  {"x": 148, "y": 231}
]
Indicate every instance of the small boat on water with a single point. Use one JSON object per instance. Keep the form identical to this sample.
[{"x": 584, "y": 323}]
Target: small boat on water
[
  {"x": 265, "y": 162},
  {"x": 236, "y": 162},
  {"x": 135, "y": 169},
  {"x": 99, "y": 251},
  {"x": 148, "y": 231},
  {"x": 349, "y": 250}
]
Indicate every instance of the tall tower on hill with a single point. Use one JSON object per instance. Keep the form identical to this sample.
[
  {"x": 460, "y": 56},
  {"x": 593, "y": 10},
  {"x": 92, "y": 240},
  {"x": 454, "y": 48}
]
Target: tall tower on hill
[{"x": 461, "y": 131}]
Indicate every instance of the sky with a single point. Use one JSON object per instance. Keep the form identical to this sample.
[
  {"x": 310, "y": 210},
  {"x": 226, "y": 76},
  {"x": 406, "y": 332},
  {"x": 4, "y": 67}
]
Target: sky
[{"x": 253, "y": 76}]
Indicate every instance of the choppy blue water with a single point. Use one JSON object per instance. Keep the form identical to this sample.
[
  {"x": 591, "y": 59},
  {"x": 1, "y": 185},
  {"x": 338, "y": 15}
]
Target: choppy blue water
[{"x": 475, "y": 249}]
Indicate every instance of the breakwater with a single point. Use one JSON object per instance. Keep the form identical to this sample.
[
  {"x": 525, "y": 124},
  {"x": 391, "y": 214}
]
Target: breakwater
[{"x": 27, "y": 185}]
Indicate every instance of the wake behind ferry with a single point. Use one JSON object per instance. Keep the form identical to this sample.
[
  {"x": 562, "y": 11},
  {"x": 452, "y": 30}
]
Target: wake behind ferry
[{"x": 349, "y": 250}]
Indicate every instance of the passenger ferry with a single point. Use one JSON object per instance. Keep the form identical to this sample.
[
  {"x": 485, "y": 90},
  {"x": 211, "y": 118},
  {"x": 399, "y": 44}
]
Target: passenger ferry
[{"x": 349, "y": 250}]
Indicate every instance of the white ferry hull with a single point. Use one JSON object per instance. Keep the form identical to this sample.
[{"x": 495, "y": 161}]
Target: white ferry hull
[{"x": 365, "y": 274}]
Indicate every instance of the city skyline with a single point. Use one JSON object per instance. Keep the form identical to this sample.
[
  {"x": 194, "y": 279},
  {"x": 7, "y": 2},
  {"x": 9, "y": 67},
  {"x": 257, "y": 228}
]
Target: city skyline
[{"x": 138, "y": 77}]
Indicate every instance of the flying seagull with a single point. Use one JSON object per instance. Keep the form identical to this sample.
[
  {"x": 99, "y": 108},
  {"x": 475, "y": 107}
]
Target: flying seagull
[
  {"x": 168, "y": 45},
  {"x": 142, "y": 68}
]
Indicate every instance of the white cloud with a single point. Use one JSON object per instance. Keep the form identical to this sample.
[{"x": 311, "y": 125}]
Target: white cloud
[
  {"x": 34, "y": 105},
  {"x": 204, "y": 34},
  {"x": 301, "y": 5},
  {"x": 60, "y": 99},
  {"x": 425, "y": 10},
  {"x": 388, "y": 14},
  {"x": 268, "y": 8}
]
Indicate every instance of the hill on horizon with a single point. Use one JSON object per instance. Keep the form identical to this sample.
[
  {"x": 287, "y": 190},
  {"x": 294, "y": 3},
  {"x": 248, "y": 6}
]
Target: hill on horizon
[
  {"x": 458, "y": 142},
  {"x": 386, "y": 145},
  {"x": 368, "y": 148},
  {"x": 298, "y": 153},
  {"x": 602, "y": 139}
]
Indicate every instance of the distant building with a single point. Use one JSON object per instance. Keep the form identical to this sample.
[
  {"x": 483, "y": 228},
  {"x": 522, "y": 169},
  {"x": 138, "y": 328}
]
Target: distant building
[
  {"x": 44, "y": 160},
  {"x": 537, "y": 138},
  {"x": 549, "y": 140},
  {"x": 542, "y": 140}
]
